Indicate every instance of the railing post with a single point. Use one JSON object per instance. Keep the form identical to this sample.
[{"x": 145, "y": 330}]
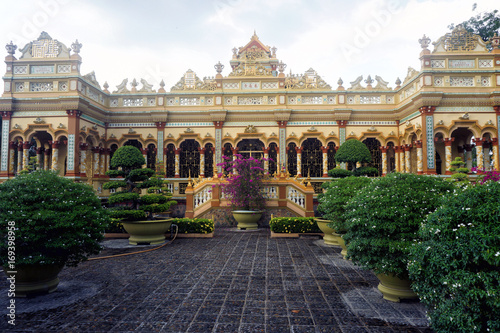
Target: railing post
[
  {"x": 215, "y": 202},
  {"x": 309, "y": 200},
  {"x": 189, "y": 201},
  {"x": 282, "y": 194}
]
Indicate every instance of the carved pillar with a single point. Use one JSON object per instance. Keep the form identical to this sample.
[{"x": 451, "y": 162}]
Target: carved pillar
[
  {"x": 46, "y": 159},
  {"x": 95, "y": 166},
  {"x": 402, "y": 158},
  {"x": 494, "y": 149},
  {"x": 447, "y": 153},
  {"x": 5, "y": 155},
  {"x": 468, "y": 156},
  {"x": 160, "y": 129},
  {"x": 429, "y": 151},
  {"x": 282, "y": 145},
  {"x": 73, "y": 159},
  {"x": 102, "y": 159},
  {"x": 202, "y": 161},
  {"x": 479, "y": 154},
  {"x": 55, "y": 155},
  {"x": 39, "y": 158},
  {"x": 384, "y": 160},
  {"x": 177, "y": 161},
  {"x": 266, "y": 160},
  {"x": 83, "y": 159},
  {"x": 278, "y": 160},
  {"x": 218, "y": 145},
  {"x": 107, "y": 153},
  {"x": 19, "y": 156},
  {"x": 235, "y": 151},
  {"x": 12, "y": 162},
  {"x": 396, "y": 158},
  {"x": 299, "y": 161},
  {"x": 26, "y": 154},
  {"x": 486, "y": 153},
  {"x": 214, "y": 172},
  {"x": 407, "y": 159},
  {"x": 420, "y": 157},
  {"x": 324, "y": 150},
  {"x": 144, "y": 152},
  {"x": 342, "y": 128}
]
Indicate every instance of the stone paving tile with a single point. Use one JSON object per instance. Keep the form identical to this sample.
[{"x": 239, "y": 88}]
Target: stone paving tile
[{"x": 234, "y": 282}]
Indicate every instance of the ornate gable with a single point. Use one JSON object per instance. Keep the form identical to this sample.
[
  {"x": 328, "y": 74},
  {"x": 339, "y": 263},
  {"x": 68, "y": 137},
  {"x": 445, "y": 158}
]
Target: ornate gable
[
  {"x": 45, "y": 47},
  {"x": 459, "y": 40},
  {"x": 254, "y": 59}
]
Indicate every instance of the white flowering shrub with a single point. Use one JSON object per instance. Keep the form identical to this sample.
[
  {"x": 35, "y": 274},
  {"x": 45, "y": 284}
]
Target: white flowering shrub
[{"x": 455, "y": 269}]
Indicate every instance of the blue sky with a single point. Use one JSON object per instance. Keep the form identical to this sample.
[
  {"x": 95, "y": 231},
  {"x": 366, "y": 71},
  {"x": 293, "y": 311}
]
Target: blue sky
[{"x": 158, "y": 40}]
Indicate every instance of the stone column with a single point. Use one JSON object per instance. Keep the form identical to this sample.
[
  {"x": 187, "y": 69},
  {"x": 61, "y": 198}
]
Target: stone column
[
  {"x": 278, "y": 160},
  {"x": 39, "y": 158},
  {"x": 101, "y": 162},
  {"x": 299, "y": 161},
  {"x": 479, "y": 154},
  {"x": 324, "y": 150},
  {"x": 420, "y": 157},
  {"x": 26, "y": 154},
  {"x": 73, "y": 160},
  {"x": 202, "y": 161},
  {"x": 107, "y": 153},
  {"x": 384, "y": 160},
  {"x": 266, "y": 160},
  {"x": 468, "y": 156},
  {"x": 46, "y": 159},
  {"x": 486, "y": 153},
  {"x": 55, "y": 155},
  {"x": 214, "y": 172},
  {"x": 218, "y": 145},
  {"x": 12, "y": 162},
  {"x": 177, "y": 161},
  {"x": 235, "y": 151},
  {"x": 402, "y": 159},
  {"x": 83, "y": 159},
  {"x": 447, "y": 152},
  {"x": 5, "y": 155},
  {"x": 429, "y": 150},
  {"x": 407, "y": 159},
  {"x": 282, "y": 145},
  {"x": 496, "y": 161},
  {"x": 144, "y": 152},
  {"x": 160, "y": 127},
  {"x": 95, "y": 167},
  {"x": 19, "y": 156},
  {"x": 396, "y": 158}
]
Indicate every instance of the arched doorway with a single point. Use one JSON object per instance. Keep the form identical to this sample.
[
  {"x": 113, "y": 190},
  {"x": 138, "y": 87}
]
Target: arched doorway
[
  {"x": 312, "y": 158},
  {"x": 374, "y": 148},
  {"x": 292, "y": 159},
  {"x": 189, "y": 159},
  {"x": 250, "y": 147}
]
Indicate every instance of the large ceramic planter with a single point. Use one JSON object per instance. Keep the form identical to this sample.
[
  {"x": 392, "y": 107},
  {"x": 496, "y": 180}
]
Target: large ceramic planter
[
  {"x": 343, "y": 246},
  {"x": 33, "y": 280},
  {"x": 247, "y": 219},
  {"x": 330, "y": 236},
  {"x": 394, "y": 289},
  {"x": 147, "y": 232}
]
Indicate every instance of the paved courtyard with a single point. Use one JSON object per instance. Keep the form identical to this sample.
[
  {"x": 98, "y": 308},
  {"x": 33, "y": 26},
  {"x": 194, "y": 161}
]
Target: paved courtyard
[{"x": 234, "y": 282}]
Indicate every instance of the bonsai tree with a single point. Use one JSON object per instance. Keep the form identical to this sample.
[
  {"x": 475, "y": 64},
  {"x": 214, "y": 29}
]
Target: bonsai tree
[
  {"x": 129, "y": 203},
  {"x": 339, "y": 173},
  {"x": 384, "y": 217},
  {"x": 55, "y": 220},
  {"x": 353, "y": 151},
  {"x": 454, "y": 268},
  {"x": 244, "y": 186},
  {"x": 459, "y": 171}
]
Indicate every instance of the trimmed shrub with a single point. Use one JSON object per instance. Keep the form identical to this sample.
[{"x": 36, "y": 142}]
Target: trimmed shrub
[
  {"x": 294, "y": 225},
  {"x": 365, "y": 171},
  {"x": 353, "y": 151},
  {"x": 384, "y": 217},
  {"x": 455, "y": 269},
  {"x": 339, "y": 173},
  {"x": 194, "y": 226},
  {"x": 338, "y": 192}
]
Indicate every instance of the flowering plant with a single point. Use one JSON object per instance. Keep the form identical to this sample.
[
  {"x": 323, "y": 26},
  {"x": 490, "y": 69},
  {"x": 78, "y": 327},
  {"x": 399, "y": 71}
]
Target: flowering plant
[
  {"x": 244, "y": 184},
  {"x": 487, "y": 176}
]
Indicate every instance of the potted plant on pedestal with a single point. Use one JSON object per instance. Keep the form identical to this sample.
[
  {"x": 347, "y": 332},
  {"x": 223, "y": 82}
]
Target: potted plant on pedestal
[
  {"x": 138, "y": 209},
  {"x": 244, "y": 188},
  {"x": 47, "y": 222},
  {"x": 332, "y": 204},
  {"x": 383, "y": 220}
]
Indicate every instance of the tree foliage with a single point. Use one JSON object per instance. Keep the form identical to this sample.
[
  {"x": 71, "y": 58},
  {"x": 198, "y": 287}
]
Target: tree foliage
[
  {"x": 353, "y": 151},
  {"x": 484, "y": 24}
]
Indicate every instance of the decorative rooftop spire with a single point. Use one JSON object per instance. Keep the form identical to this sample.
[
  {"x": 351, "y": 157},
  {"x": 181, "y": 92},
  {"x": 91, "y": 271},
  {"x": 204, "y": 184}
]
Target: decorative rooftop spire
[
  {"x": 11, "y": 48},
  {"x": 424, "y": 42},
  {"x": 219, "y": 67},
  {"x": 76, "y": 47}
]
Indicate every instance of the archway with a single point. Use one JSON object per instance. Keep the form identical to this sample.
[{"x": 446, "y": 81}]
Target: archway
[
  {"x": 189, "y": 159},
  {"x": 312, "y": 158},
  {"x": 374, "y": 148},
  {"x": 250, "y": 147}
]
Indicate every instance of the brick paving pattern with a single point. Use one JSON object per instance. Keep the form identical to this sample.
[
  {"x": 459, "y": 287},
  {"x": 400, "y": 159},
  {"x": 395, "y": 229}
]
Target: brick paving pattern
[{"x": 234, "y": 282}]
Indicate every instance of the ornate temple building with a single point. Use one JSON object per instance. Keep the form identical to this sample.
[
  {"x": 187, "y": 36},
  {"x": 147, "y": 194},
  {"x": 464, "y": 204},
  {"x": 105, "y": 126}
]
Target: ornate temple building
[{"x": 54, "y": 116}]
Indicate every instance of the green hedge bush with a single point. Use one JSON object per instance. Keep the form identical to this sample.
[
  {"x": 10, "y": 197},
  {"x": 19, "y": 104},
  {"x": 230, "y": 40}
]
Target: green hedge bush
[
  {"x": 195, "y": 226},
  {"x": 294, "y": 225},
  {"x": 384, "y": 217},
  {"x": 339, "y": 173},
  {"x": 365, "y": 171},
  {"x": 455, "y": 269}
]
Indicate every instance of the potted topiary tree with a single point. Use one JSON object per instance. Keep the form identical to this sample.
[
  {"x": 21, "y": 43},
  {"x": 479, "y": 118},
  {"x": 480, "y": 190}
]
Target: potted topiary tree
[
  {"x": 455, "y": 268},
  {"x": 353, "y": 151},
  {"x": 47, "y": 222},
  {"x": 244, "y": 188},
  {"x": 383, "y": 220},
  {"x": 333, "y": 201},
  {"x": 138, "y": 209}
]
